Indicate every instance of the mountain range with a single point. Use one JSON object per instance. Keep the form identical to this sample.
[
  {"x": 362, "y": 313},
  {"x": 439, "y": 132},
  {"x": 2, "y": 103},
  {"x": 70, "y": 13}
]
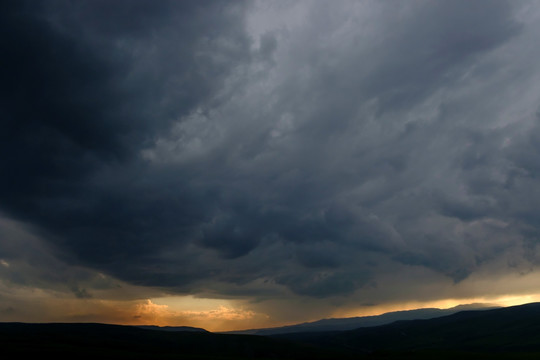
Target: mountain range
[
  {"x": 340, "y": 324},
  {"x": 501, "y": 333},
  {"x": 512, "y": 332}
]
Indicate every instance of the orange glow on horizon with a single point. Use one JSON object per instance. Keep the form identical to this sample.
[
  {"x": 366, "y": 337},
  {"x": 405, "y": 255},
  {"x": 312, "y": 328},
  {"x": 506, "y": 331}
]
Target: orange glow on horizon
[
  {"x": 218, "y": 317},
  {"x": 38, "y": 305},
  {"x": 227, "y": 317}
]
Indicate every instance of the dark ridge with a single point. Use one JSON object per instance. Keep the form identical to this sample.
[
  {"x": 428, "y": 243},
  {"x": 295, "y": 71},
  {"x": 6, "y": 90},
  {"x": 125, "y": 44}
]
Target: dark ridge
[
  {"x": 171, "y": 328},
  {"x": 505, "y": 333},
  {"x": 340, "y": 324},
  {"x": 98, "y": 341},
  {"x": 512, "y": 330}
]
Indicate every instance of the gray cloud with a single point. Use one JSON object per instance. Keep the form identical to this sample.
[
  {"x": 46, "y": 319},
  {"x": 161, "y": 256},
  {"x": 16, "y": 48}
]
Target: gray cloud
[{"x": 187, "y": 146}]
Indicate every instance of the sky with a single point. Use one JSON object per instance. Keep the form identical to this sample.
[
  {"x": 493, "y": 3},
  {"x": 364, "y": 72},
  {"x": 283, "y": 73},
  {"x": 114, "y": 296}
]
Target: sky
[{"x": 242, "y": 164}]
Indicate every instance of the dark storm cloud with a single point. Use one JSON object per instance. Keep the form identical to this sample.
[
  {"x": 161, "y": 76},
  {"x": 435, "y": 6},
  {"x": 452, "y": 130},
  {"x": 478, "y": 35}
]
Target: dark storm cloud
[
  {"x": 75, "y": 114},
  {"x": 165, "y": 145}
]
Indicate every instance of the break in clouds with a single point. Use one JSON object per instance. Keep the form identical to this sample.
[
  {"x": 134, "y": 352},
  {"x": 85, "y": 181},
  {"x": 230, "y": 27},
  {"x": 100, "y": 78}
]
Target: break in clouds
[{"x": 268, "y": 149}]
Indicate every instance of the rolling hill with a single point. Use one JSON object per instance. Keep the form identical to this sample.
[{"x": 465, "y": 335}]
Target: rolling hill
[
  {"x": 512, "y": 332},
  {"x": 100, "y": 341},
  {"x": 339, "y": 324},
  {"x": 504, "y": 333}
]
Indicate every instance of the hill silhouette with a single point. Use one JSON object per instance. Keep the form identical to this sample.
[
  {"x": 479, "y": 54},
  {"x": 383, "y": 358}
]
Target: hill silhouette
[
  {"x": 98, "y": 341},
  {"x": 172, "y": 328},
  {"x": 339, "y": 324},
  {"x": 512, "y": 332},
  {"x": 504, "y": 333}
]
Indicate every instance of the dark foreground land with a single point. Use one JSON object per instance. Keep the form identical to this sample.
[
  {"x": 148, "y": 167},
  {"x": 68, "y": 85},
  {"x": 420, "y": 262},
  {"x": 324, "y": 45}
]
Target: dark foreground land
[
  {"x": 507, "y": 333},
  {"x": 100, "y": 341}
]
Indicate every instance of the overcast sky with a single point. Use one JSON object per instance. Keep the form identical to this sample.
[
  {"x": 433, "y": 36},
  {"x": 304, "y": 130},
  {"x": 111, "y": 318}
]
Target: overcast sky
[{"x": 235, "y": 164}]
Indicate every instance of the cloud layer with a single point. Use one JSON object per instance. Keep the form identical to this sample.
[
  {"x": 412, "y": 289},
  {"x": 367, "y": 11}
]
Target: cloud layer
[{"x": 270, "y": 150}]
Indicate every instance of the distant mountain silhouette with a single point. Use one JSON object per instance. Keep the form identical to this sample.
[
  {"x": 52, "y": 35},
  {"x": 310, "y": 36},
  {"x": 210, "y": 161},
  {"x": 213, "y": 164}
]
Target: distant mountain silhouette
[
  {"x": 503, "y": 333},
  {"x": 340, "y": 324},
  {"x": 171, "y": 328},
  {"x": 512, "y": 332}
]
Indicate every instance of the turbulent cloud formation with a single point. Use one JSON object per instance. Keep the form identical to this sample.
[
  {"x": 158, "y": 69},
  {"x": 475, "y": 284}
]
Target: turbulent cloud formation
[{"x": 269, "y": 150}]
